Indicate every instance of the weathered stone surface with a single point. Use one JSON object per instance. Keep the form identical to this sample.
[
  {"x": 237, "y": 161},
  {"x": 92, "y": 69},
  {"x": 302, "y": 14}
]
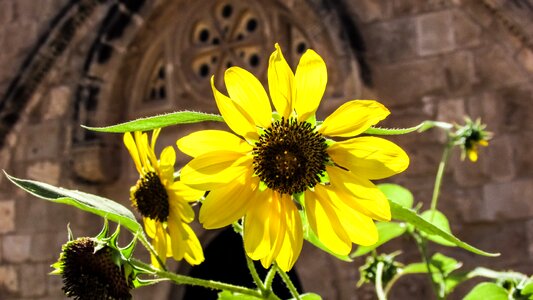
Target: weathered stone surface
[
  {"x": 57, "y": 103},
  {"x": 44, "y": 140},
  {"x": 7, "y": 216},
  {"x": 467, "y": 32},
  {"x": 410, "y": 7},
  {"x": 502, "y": 69},
  {"x": 34, "y": 279},
  {"x": 459, "y": 72},
  {"x": 16, "y": 248},
  {"x": 498, "y": 160},
  {"x": 408, "y": 83},
  {"x": 9, "y": 282},
  {"x": 451, "y": 110},
  {"x": 525, "y": 58},
  {"x": 435, "y": 33},
  {"x": 506, "y": 201},
  {"x": 522, "y": 144},
  {"x": 371, "y": 10},
  {"x": 45, "y": 171},
  {"x": 391, "y": 41}
]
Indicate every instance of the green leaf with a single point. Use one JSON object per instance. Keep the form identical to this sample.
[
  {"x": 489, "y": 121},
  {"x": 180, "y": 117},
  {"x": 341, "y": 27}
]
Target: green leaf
[
  {"x": 149, "y": 123},
  {"x": 527, "y": 289},
  {"x": 309, "y": 296},
  {"x": 415, "y": 268},
  {"x": 311, "y": 237},
  {"x": 227, "y": 295},
  {"x": 444, "y": 263},
  {"x": 438, "y": 219},
  {"x": 403, "y": 214},
  {"x": 387, "y": 231},
  {"x": 397, "y": 193},
  {"x": 487, "y": 291},
  {"x": 94, "y": 204}
]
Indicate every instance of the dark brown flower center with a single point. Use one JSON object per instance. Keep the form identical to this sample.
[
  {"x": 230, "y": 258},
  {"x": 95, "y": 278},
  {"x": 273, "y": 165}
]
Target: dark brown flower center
[
  {"x": 150, "y": 197},
  {"x": 92, "y": 275},
  {"x": 290, "y": 156}
]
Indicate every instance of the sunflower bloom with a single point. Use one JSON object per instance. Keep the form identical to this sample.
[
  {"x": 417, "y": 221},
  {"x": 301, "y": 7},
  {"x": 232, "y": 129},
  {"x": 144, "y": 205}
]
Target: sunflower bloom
[
  {"x": 470, "y": 136},
  {"x": 272, "y": 161},
  {"x": 163, "y": 202}
]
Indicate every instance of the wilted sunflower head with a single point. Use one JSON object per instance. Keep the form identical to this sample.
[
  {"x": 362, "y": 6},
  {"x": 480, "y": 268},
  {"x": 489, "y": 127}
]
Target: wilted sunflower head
[{"x": 91, "y": 270}]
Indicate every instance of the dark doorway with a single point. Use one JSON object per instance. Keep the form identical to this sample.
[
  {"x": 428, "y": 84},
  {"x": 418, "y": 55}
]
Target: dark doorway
[{"x": 225, "y": 261}]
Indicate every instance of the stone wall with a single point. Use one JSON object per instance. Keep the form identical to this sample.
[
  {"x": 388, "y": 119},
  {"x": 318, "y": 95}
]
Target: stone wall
[{"x": 437, "y": 59}]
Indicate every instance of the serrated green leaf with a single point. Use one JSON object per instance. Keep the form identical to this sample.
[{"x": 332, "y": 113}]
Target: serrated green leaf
[
  {"x": 403, "y": 214},
  {"x": 91, "y": 203},
  {"x": 227, "y": 295},
  {"x": 415, "y": 268},
  {"x": 438, "y": 219},
  {"x": 160, "y": 121},
  {"x": 311, "y": 237},
  {"x": 487, "y": 291},
  {"x": 386, "y": 231},
  {"x": 397, "y": 193}
]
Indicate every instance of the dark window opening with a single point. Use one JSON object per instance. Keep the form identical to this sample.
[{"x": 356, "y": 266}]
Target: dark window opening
[{"x": 225, "y": 261}]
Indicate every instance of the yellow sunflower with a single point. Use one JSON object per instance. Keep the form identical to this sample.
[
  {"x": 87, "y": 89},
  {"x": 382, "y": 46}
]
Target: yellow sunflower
[
  {"x": 274, "y": 160},
  {"x": 163, "y": 202}
]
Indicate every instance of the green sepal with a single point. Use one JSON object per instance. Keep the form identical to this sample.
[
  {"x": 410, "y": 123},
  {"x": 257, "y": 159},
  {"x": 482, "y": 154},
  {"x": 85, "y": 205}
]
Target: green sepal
[
  {"x": 69, "y": 233},
  {"x": 105, "y": 230},
  {"x": 403, "y": 214},
  {"x": 128, "y": 250},
  {"x": 160, "y": 121},
  {"x": 140, "y": 282}
]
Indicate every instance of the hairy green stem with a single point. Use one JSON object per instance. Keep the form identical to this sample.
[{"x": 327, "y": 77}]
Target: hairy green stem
[
  {"x": 255, "y": 276},
  {"x": 270, "y": 278},
  {"x": 438, "y": 179},
  {"x": 379, "y": 284},
  {"x": 288, "y": 283},
  {"x": 210, "y": 284},
  {"x": 421, "y": 244},
  {"x": 151, "y": 249}
]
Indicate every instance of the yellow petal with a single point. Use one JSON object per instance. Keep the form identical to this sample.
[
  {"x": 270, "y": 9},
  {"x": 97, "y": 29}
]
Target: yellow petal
[
  {"x": 280, "y": 83},
  {"x": 277, "y": 230},
  {"x": 204, "y": 141},
  {"x": 261, "y": 225},
  {"x": 483, "y": 143},
  {"x": 353, "y": 118},
  {"x": 149, "y": 227},
  {"x": 179, "y": 209},
  {"x": 293, "y": 241},
  {"x": 155, "y": 135},
  {"x": 194, "y": 254},
  {"x": 160, "y": 241},
  {"x": 185, "y": 192},
  {"x": 369, "y": 157},
  {"x": 310, "y": 80},
  {"x": 215, "y": 169},
  {"x": 472, "y": 154},
  {"x": 166, "y": 165},
  {"x": 177, "y": 240},
  {"x": 325, "y": 222},
  {"x": 132, "y": 149},
  {"x": 245, "y": 89},
  {"x": 227, "y": 204},
  {"x": 359, "y": 193},
  {"x": 359, "y": 227},
  {"x": 234, "y": 115}
]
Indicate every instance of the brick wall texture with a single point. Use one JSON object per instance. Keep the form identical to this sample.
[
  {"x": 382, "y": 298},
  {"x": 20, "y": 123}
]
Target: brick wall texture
[{"x": 436, "y": 59}]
